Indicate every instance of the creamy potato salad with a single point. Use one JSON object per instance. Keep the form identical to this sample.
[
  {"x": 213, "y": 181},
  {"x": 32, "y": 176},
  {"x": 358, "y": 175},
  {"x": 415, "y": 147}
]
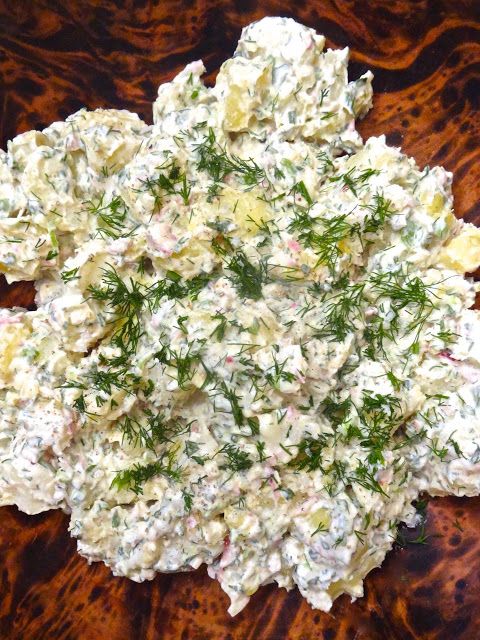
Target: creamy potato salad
[{"x": 252, "y": 346}]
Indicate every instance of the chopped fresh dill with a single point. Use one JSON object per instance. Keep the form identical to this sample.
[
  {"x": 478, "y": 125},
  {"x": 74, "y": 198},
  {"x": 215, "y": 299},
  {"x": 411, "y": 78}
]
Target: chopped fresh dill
[
  {"x": 446, "y": 336},
  {"x": 405, "y": 292},
  {"x": 235, "y": 459},
  {"x": 246, "y": 277},
  {"x": 277, "y": 373},
  {"x": 112, "y": 216},
  {"x": 215, "y": 160},
  {"x": 322, "y": 528},
  {"x": 135, "y": 477},
  {"x": 342, "y": 307},
  {"x": 68, "y": 276},
  {"x": 171, "y": 181},
  {"x": 151, "y": 430},
  {"x": 219, "y": 332},
  {"x": 233, "y": 399},
  {"x": 336, "y": 410},
  {"x": 355, "y": 178},
  {"x": 378, "y": 213},
  {"x": 185, "y": 361},
  {"x": 310, "y": 454},
  {"x": 187, "y": 499},
  {"x": 300, "y": 189},
  {"x": 127, "y": 300}
]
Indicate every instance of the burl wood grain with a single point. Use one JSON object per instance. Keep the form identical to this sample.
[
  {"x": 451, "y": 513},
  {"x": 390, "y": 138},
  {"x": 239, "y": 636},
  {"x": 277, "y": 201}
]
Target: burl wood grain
[{"x": 58, "y": 56}]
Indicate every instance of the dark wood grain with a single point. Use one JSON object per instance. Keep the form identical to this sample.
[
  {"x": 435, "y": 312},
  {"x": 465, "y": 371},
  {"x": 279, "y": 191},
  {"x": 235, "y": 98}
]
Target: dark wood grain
[{"x": 58, "y": 56}]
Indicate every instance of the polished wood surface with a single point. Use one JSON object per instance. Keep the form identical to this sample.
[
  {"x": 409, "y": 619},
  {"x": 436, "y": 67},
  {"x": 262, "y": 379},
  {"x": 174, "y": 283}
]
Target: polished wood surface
[{"x": 58, "y": 56}]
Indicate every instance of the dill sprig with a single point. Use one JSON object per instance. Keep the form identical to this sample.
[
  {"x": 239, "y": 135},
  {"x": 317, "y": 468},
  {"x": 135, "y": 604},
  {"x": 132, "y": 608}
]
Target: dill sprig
[
  {"x": 342, "y": 308},
  {"x": 127, "y": 299},
  {"x": 355, "y": 178},
  {"x": 310, "y": 454},
  {"x": 118, "y": 294},
  {"x": 375, "y": 333},
  {"x": 402, "y": 292},
  {"x": 151, "y": 430},
  {"x": 171, "y": 287},
  {"x": 322, "y": 528},
  {"x": 185, "y": 361},
  {"x": 136, "y": 476},
  {"x": 112, "y": 216},
  {"x": 335, "y": 410},
  {"x": 379, "y": 415},
  {"x": 277, "y": 373},
  {"x": 322, "y": 235},
  {"x": 405, "y": 292},
  {"x": 191, "y": 449},
  {"x": 365, "y": 477},
  {"x": 234, "y": 400},
  {"x": 110, "y": 379},
  {"x": 325, "y": 243},
  {"x": 235, "y": 459},
  {"x": 222, "y": 245},
  {"x": 246, "y": 277},
  {"x": 363, "y": 474},
  {"x": 187, "y": 500},
  {"x": 219, "y": 332},
  {"x": 325, "y": 161},
  {"x": 446, "y": 336},
  {"x": 379, "y": 212},
  {"x": 71, "y": 274},
  {"x": 219, "y": 164},
  {"x": 171, "y": 182},
  {"x": 300, "y": 189},
  {"x": 220, "y": 388}
]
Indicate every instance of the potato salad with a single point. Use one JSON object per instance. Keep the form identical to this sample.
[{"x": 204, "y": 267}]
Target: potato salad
[{"x": 252, "y": 345}]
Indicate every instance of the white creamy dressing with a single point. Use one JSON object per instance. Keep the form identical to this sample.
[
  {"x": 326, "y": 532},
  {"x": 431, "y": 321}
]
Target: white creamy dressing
[{"x": 252, "y": 346}]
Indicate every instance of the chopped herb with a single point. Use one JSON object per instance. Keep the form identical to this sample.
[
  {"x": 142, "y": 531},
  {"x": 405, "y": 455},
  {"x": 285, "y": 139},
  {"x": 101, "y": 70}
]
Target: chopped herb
[
  {"x": 171, "y": 181},
  {"x": 135, "y": 477},
  {"x": 235, "y": 458},
  {"x": 354, "y": 178},
  {"x": 310, "y": 454},
  {"x": 219, "y": 164},
  {"x": 246, "y": 277},
  {"x": 68, "y": 276},
  {"x": 322, "y": 528},
  {"x": 112, "y": 216},
  {"x": 187, "y": 499}
]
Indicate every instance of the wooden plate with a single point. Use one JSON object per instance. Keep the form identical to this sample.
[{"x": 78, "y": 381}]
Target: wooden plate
[{"x": 426, "y": 58}]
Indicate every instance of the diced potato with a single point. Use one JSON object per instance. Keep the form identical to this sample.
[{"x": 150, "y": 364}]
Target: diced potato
[
  {"x": 436, "y": 204},
  {"x": 244, "y": 87},
  {"x": 12, "y": 336},
  {"x": 245, "y": 209},
  {"x": 262, "y": 328},
  {"x": 25, "y": 248},
  {"x": 109, "y": 136},
  {"x": 345, "y": 246},
  {"x": 320, "y": 518},
  {"x": 234, "y": 518},
  {"x": 463, "y": 252},
  {"x": 250, "y": 588},
  {"x": 236, "y": 116},
  {"x": 196, "y": 256},
  {"x": 353, "y": 587}
]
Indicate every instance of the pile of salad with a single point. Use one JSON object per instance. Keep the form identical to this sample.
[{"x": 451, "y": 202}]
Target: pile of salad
[{"x": 252, "y": 346}]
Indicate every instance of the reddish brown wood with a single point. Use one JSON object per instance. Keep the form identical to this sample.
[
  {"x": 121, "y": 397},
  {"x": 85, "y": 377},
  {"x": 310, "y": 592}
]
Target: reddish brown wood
[{"x": 57, "y": 56}]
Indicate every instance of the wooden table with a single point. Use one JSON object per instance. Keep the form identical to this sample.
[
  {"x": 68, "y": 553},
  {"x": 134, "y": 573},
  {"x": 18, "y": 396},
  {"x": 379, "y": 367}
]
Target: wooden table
[{"x": 58, "y": 56}]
